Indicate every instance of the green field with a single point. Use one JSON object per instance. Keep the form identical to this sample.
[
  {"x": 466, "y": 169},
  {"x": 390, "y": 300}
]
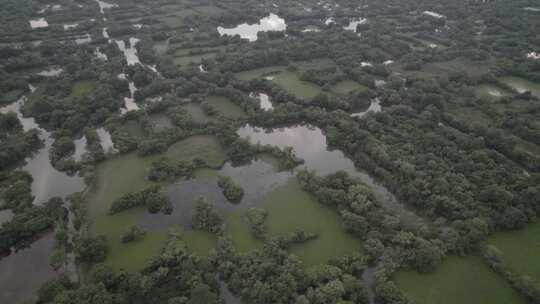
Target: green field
[
  {"x": 521, "y": 249},
  {"x": 225, "y": 107},
  {"x": 290, "y": 209},
  {"x": 197, "y": 113},
  {"x": 292, "y": 83},
  {"x": 521, "y": 84},
  {"x": 81, "y": 88},
  {"x": 490, "y": 91},
  {"x": 347, "y": 86},
  {"x": 285, "y": 79},
  {"x": 256, "y": 73},
  {"x": 124, "y": 174},
  {"x": 204, "y": 147},
  {"x": 458, "y": 280},
  {"x": 195, "y": 59},
  {"x": 161, "y": 121},
  {"x": 133, "y": 128}
]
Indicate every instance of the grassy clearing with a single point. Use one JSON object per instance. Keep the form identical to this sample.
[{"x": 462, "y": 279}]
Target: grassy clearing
[
  {"x": 81, "y": 88},
  {"x": 199, "y": 242},
  {"x": 458, "y": 280},
  {"x": 225, "y": 107},
  {"x": 192, "y": 59},
  {"x": 434, "y": 69},
  {"x": 204, "y": 147},
  {"x": 208, "y": 10},
  {"x": 197, "y": 113},
  {"x": 521, "y": 249},
  {"x": 256, "y": 73},
  {"x": 291, "y": 209},
  {"x": 128, "y": 256},
  {"x": 292, "y": 83},
  {"x": 133, "y": 128},
  {"x": 321, "y": 63},
  {"x": 470, "y": 115},
  {"x": 346, "y": 86},
  {"x": 521, "y": 85},
  {"x": 161, "y": 121},
  {"x": 490, "y": 92}
]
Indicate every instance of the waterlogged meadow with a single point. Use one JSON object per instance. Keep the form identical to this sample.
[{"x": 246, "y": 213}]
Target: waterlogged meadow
[
  {"x": 521, "y": 259},
  {"x": 125, "y": 174},
  {"x": 291, "y": 209},
  {"x": 458, "y": 280}
]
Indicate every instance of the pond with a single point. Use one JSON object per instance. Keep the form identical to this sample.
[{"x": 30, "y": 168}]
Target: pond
[
  {"x": 257, "y": 178},
  {"x": 249, "y": 31},
  {"x": 309, "y": 143},
  {"x": 353, "y": 24},
  {"x": 99, "y": 54},
  {"x": 17, "y": 285},
  {"x": 129, "y": 50},
  {"x": 70, "y": 26},
  {"x": 83, "y": 39},
  {"x": 105, "y": 140},
  {"x": 51, "y": 72},
  {"x": 39, "y": 23},
  {"x": 104, "y": 5},
  {"x": 47, "y": 181},
  {"x": 264, "y": 101},
  {"x": 80, "y": 148},
  {"x": 129, "y": 101}
]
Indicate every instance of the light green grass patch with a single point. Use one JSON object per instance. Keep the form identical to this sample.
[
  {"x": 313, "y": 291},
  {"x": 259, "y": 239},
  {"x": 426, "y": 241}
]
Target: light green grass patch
[
  {"x": 347, "y": 86},
  {"x": 192, "y": 59},
  {"x": 292, "y": 83},
  {"x": 133, "y": 128},
  {"x": 225, "y": 107},
  {"x": 521, "y": 249},
  {"x": 521, "y": 84},
  {"x": 291, "y": 209},
  {"x": 256, "y": 73},
  {"x": 81, "y": 88},
  {"x": 490, "y": 91},
  {"x": 321, "y": 63},
  {"x": 458, "y": 280},
  {"x": 161, "y": 121},
  {"x": 471, "y": 115},
  {"x": 205, "y": 147},
  {"x": 197, "y": 113}
]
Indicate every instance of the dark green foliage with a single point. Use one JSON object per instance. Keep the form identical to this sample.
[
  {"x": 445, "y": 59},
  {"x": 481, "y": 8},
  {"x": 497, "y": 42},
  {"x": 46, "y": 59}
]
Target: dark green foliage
[
  {"x": 27, "y": 224},
  {"x": 151, "y": 198},
  {"x": 526, "y": 285},
  {"x": 255, "y": 218},
  {"x": 16, "y": 144},
  {"x": 231, "y": 190},
  {"x": 133, "y": 233},
  {"x": 92, "y": 249},
  {"x": 205, "y": 217},
  {"x": 163, "y": 169}
]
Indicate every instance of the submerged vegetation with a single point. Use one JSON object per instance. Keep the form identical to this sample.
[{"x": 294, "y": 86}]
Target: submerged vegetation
[{"x": 183, "y": 152}]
